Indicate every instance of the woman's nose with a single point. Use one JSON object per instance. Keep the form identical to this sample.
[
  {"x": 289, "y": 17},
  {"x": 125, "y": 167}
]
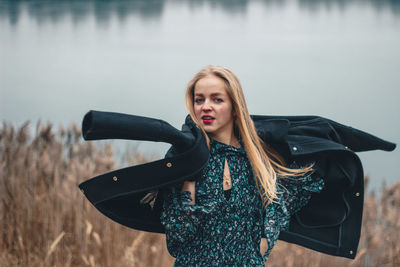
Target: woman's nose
[{"x": 206, "y": 105}]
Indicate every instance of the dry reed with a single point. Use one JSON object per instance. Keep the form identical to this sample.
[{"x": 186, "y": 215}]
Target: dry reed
[{"x": 46, "y": 221}]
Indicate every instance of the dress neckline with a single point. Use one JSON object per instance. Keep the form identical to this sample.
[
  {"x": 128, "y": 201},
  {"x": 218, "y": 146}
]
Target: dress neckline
[{"x": 219, "y": 146}]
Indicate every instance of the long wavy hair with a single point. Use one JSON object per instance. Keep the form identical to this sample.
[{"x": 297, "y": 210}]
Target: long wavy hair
[{"x": 266, "y": 164}]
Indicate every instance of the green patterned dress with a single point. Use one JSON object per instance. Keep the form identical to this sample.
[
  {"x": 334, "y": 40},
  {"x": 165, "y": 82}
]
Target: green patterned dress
[{"x": 221, "y": 231}]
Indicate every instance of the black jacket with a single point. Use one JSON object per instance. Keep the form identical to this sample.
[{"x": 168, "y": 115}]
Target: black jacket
[{"x": 330, "y": 223}]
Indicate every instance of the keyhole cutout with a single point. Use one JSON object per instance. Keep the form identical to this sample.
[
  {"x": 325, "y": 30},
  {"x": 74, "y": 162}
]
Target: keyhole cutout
[{"x": 227, "y": 182}]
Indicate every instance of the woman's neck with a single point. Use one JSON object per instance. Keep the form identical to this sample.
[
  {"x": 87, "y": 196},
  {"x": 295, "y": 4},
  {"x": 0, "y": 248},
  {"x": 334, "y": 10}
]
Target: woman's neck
[{"x": 229, "y": 139}]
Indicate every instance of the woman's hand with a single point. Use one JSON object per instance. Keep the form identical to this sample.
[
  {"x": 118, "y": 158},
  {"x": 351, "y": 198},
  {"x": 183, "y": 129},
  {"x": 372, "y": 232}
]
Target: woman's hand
[{"x": 190, "y": 186}]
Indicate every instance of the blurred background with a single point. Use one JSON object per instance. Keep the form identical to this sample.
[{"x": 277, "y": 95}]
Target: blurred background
[
  {"x": 337, "y": 59},
  {"x": 58, "y": 59}
]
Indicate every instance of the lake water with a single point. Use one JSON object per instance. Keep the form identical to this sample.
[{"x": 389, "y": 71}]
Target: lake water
[{"x": 337, "y": 59}]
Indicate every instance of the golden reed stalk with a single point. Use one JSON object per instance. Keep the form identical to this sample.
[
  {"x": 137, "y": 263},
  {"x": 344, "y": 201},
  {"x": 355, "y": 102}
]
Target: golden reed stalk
[{"x": 46, "y": 221}]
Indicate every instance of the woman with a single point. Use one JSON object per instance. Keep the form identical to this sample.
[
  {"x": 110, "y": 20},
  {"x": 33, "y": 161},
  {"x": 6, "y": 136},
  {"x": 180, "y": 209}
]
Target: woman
[{"x": 244, "y": 192}]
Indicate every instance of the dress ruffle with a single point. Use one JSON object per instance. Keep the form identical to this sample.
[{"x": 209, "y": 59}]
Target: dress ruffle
[{"x": 293, "y": 193}]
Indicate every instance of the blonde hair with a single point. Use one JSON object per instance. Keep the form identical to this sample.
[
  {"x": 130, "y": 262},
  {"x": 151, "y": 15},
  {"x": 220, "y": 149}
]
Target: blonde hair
[{"x": 266, "y": 163}]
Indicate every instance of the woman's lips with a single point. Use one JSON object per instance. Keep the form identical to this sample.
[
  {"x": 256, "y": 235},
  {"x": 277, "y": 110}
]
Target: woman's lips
[{"x": 207, "y": 120}]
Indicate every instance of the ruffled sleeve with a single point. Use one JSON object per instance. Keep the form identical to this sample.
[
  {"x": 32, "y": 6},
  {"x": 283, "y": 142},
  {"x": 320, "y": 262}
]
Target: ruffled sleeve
[
  {"x": 293, "y": 193},
  {"x": 296, "y": 192},
  {"x": 181, "y": 220}
]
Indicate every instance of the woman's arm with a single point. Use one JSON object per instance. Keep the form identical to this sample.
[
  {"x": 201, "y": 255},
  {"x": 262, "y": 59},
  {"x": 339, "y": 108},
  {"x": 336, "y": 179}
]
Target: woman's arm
[
  {"x": 181, "y": 217},
  {"x": 294, "y": 193},
  {"x": 297, "y": 191},
  {"x": 190, "y": 186}
]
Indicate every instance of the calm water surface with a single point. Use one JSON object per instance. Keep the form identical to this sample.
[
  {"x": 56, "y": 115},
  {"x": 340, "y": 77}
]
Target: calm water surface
[{"x": 337, "y": 59}]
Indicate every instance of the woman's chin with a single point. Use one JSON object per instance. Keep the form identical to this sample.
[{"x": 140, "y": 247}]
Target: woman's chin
[{"x": 208, "y": 129}]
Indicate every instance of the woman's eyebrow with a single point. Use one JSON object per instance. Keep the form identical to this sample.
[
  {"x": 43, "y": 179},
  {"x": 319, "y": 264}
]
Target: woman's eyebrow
[
  {"x": 216, "y": 94},
  {"x": 213, "y": 94}
]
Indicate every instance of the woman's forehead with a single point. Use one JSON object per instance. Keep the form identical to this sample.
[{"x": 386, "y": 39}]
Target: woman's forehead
[{"x": 210, "y": 85}]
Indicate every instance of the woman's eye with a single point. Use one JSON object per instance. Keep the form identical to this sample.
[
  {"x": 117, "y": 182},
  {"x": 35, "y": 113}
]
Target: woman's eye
[
  {"x": 219, "y": 100},
  {"x": 198, "y": 100}
]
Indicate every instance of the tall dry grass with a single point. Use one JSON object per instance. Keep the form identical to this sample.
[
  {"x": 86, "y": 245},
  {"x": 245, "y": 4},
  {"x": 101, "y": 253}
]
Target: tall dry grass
[{"x": 46, "y": 221}]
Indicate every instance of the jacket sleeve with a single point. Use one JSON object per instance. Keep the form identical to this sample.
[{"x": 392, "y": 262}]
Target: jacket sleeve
[{"x": 182, "y": 222}]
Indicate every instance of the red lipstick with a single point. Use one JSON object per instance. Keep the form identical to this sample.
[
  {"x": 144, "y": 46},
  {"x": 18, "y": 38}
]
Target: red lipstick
[{"x": 207, "y": 119}]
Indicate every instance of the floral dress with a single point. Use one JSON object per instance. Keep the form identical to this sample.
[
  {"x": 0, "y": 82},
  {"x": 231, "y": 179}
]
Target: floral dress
[{"x": 221, "y": 231}]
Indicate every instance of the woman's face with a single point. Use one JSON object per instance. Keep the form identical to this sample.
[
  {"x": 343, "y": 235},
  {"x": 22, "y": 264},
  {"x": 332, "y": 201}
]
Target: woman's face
[{"x": 213, "y": 108}]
